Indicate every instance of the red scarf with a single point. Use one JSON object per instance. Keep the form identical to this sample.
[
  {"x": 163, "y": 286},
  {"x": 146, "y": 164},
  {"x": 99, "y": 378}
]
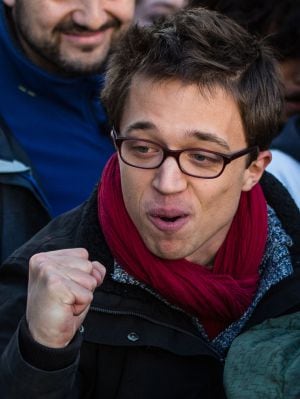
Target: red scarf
[{"x": 218, "y": 296}]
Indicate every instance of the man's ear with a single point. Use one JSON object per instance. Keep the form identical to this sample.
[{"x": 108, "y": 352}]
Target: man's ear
[
  {"x": 9, "y": 3},
  {"x": 255, "y": 170}
]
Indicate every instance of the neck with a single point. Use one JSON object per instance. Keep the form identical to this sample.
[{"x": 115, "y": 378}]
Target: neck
[{"x": 205, "y": 256}]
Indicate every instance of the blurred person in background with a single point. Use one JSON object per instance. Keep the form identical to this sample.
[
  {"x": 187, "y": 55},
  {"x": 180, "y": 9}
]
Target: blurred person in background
[
  {"x": 148, "y": 11},
  {"x": 285, "y": 39},
  {"x": 54, "y": 133},
  {"x": 279, "y": 21}
]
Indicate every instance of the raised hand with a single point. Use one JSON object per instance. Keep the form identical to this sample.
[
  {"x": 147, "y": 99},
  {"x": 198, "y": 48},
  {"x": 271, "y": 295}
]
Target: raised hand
[{"x": 60, "y": 291}]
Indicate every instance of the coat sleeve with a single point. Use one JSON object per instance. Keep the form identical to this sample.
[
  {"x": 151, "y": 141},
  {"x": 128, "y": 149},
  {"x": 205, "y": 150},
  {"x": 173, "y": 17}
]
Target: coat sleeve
[
  {"x": 18, "y": 378},
  {"x": 264, "y": 362}
]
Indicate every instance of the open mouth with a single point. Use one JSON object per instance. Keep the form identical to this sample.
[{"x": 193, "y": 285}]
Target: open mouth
[
  {"x": 167, "y": 219},
  {"x": 168, "y": 222}
]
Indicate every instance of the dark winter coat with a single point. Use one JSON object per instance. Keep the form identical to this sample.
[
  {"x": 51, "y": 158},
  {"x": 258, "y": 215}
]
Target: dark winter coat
[{"x": 23, "y": 211}]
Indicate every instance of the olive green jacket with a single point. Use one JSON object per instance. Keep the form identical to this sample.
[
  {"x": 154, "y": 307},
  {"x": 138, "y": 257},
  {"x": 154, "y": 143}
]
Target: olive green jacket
[{"x": 264, "y": 362}]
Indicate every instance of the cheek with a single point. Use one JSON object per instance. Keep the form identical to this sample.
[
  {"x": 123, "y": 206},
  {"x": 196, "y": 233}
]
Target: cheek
[
  {"x": 123, "y": 10},
  {"x": 50, "y": 15},
  {"x": 43, "y": 23},
  {"x": 220, "y": 195},
  {"x": 133, "y": 187}
]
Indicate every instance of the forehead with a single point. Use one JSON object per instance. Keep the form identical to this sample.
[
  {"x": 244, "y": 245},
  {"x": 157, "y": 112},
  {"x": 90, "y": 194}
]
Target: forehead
[{"x": 171, "y": 111}]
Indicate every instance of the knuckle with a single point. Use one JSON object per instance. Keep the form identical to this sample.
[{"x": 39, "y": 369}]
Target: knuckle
[
  {"x": 89, "y": 297},
  {"x": 38, "y": 258},
  {"x": 87, "y": 267},
  {"x": 99, "y": 267},
  {"x": 93, "y": 283},
  {"x": 98, "y": 264},
  {"x": 82, "y": 252},
  {"x": 68, "y": 297},
  {"x": 39, "y": 263}
]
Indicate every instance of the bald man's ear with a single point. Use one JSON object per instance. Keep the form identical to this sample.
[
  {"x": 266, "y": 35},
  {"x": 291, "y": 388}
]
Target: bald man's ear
[{"x": 255, "y": 170}]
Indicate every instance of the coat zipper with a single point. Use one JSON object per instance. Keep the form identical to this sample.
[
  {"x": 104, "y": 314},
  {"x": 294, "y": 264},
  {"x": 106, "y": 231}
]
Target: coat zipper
[{"x": 141, "y": 316}]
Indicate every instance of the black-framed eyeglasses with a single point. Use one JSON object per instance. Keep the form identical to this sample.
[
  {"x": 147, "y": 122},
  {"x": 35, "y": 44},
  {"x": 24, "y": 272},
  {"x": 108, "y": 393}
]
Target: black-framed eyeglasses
[{"x": 196, "y": 162}]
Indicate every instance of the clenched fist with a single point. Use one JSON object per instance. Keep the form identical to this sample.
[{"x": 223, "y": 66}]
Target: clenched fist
[{"x": 60, "y": 291}]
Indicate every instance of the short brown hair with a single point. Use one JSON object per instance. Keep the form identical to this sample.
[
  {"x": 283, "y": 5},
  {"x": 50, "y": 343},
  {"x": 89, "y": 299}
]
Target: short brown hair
[{"x": 202, "y": 47}]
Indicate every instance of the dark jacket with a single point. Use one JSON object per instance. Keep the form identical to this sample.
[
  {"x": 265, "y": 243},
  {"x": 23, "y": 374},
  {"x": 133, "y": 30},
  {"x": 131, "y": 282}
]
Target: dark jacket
[
  {"x": 134, "y": 345},
  {"x": 23, "y": 209}
]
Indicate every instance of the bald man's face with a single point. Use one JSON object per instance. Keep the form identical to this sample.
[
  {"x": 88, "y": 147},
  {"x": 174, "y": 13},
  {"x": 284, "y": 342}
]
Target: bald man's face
[{"x": 71, "y": 36}]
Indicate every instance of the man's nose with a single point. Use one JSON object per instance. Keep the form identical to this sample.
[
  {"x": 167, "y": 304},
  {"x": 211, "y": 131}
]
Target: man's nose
[
  {"x": 168, "y": 177},
  {"x": 90, "y": 14}
]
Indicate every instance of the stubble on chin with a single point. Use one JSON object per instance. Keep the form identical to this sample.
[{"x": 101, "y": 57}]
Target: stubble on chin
[{"x": 48, "y": 51}]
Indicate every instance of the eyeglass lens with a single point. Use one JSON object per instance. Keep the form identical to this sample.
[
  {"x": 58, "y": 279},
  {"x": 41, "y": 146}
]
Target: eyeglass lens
[{"x": 149, "y": 155}]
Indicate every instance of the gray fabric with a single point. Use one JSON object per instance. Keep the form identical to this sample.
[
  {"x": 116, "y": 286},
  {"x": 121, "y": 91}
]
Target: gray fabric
[{"x": 264, "y": 362}]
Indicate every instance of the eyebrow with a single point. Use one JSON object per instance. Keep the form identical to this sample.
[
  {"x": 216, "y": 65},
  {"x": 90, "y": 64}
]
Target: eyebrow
[
  {"x": 200, "y": 135},
  {"x": 141, "y": 125},
  {"x": 205, "y": 136}
]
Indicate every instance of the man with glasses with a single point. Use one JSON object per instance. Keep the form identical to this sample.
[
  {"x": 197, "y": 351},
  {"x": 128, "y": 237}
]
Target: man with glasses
[{"x": 141, "y": 291}]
